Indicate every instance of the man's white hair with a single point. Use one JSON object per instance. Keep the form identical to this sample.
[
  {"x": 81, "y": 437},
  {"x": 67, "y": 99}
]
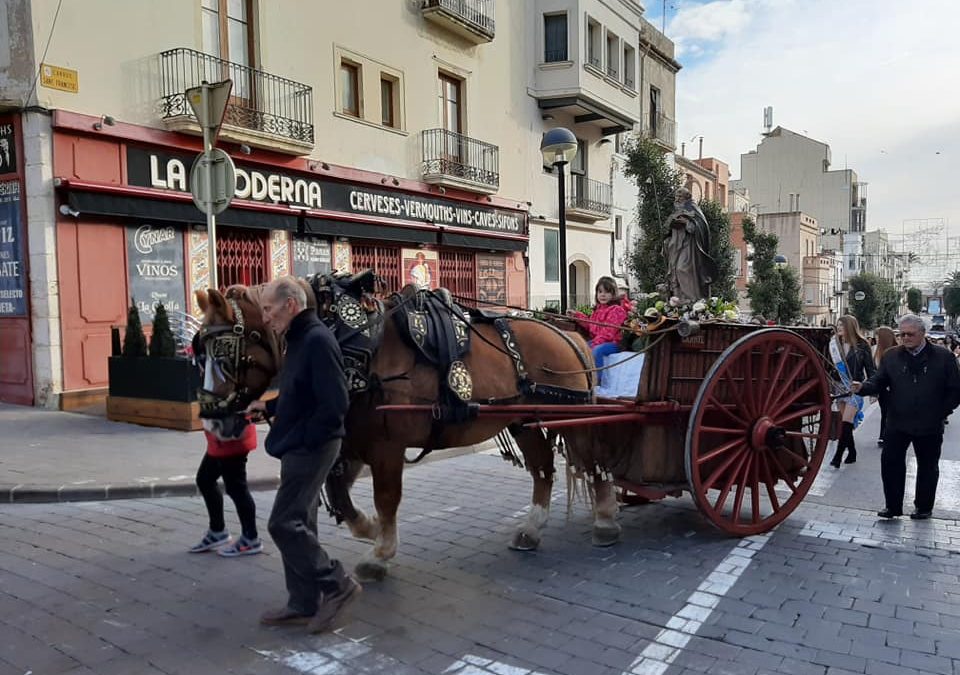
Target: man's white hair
[
  {"x": 288, "y": 287},
  {"x": 915, "y": 321}
]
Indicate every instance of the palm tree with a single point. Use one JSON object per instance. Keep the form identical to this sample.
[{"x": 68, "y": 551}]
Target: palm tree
[{"x": 952, "y": 280}]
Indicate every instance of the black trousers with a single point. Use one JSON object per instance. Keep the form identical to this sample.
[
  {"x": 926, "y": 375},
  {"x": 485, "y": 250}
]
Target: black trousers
[
  {"x": 884, "y": 400},
  {"x": 233, "y": 470},
  {"x": 293, "y": 525},
  {"x": 893, "y": 468}
]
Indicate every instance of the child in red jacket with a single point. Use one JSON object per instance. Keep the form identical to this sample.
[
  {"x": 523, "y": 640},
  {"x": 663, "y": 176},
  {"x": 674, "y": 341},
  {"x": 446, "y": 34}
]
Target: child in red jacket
[
  {"x": 228, "y": 459},
  {"x": 604, "y": 324}
]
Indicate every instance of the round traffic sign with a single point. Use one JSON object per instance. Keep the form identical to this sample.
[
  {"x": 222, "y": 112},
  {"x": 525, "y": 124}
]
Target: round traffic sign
[
  {"x": 222, "y": 184},
  {"x": 859, "y": 295}
]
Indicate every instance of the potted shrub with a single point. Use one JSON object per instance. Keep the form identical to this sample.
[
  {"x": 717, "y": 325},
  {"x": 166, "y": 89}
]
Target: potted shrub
[{"x": 157, "y": 388}]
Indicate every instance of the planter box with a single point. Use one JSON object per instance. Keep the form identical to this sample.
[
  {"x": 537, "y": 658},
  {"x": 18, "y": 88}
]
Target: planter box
[
  {"x": 156, "y": 392},
  {"x": 166, "y": 379}
]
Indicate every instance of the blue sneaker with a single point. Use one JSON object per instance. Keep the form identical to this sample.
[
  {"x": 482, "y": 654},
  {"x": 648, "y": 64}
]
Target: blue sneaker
[
  {"x": 242, "y": 546},
  {"x": 210, "y": 541}
]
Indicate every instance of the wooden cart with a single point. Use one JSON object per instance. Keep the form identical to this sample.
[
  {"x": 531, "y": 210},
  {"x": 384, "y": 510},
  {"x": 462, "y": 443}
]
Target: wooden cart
[{"x": 737, "y": 415}]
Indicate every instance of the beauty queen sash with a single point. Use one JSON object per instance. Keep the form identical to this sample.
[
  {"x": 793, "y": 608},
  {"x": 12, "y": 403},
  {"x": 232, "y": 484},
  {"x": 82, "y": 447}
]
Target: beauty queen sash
[{"x": 853, "y": 399}]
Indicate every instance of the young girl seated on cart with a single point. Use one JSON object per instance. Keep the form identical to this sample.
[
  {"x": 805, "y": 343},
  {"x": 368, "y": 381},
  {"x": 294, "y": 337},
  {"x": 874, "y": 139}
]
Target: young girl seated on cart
[{"x": 604, "y": 324}]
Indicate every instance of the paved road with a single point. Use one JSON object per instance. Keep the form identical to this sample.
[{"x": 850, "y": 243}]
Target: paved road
[{"x": 107, "y": 588}]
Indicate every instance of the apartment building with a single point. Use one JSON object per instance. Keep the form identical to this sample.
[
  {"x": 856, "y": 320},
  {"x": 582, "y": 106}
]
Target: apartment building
[
  {"x": 363, "y": 136},
  {"x": 789, "y": 171}
]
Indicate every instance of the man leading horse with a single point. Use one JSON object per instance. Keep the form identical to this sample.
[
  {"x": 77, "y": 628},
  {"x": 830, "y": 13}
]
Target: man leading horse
[{"x": 306, "y": 434}]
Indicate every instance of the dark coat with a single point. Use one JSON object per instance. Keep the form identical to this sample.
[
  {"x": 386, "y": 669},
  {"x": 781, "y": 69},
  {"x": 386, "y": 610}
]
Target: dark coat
[
  {"x": 924, "y": 389},
  {"x": 313, "y": 398},
  {"x": 860, "y": 362}
]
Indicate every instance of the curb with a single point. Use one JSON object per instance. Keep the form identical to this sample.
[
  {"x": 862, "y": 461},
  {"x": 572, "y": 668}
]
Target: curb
[{"x": 47, "y": 494}]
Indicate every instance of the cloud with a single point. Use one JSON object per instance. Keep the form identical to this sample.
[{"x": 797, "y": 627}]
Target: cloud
[
  {"x": 710, "y": 22},
  {"x": 860, "y": 75}
]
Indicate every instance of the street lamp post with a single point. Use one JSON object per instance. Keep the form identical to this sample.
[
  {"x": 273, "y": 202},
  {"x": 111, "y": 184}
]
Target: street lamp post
[{"x": 559, "y": 147}]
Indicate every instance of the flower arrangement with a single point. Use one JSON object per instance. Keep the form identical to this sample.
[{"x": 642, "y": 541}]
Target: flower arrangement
[{"x": 654, "y": 308}]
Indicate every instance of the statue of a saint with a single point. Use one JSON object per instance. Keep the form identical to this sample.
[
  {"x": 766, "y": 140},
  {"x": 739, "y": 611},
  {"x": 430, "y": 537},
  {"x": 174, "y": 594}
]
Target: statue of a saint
[{"x": 690, "y": 269}]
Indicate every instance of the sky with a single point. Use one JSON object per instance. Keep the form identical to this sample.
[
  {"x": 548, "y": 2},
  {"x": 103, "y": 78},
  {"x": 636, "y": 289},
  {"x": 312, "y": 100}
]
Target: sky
[{"x": 878, "y": 80}]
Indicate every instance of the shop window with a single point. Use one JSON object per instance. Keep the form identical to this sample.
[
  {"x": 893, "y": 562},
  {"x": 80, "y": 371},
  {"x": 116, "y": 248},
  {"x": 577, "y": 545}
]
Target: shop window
[
  {"x": 551, "y": 253},
  {"x": 458, "y": 274},
  {"x": 227, "y": 33},
  {"x": 242, "y": 257},
  {"x": 350, "y": 88},
  {"x": 555, "y": 38},
  {"x": 384, "y": 260}
]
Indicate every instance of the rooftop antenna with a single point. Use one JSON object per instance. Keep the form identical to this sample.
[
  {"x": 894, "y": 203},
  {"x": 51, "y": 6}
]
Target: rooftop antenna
[{"x": 767, "y": 120}]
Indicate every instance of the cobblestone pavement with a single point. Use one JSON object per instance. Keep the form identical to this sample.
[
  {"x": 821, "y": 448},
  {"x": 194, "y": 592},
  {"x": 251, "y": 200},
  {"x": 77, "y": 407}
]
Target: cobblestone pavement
[{"x": 106, "y": 587}]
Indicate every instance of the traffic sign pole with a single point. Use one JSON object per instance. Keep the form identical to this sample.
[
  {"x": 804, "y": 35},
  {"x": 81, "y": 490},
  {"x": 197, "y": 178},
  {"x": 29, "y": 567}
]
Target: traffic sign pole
[
  {"x": 208, "y": 182},
  {"x": 209, "y": 103}
]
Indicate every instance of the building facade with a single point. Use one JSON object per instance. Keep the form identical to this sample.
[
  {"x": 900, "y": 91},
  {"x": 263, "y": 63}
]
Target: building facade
[
  {"x": 357, "y": 144},
  {"x": 791, "y": 172}
]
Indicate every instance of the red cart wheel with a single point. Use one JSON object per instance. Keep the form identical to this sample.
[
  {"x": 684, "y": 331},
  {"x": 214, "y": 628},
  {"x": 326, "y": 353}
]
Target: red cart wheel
[{"x": 758, "y": 431}]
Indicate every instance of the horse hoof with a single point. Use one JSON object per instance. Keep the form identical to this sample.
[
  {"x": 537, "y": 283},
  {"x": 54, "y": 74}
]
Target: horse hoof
[
  {"x": 523, "y": 541},
  {"x": 371, "y": 570},
  {"x": 606, "y": 536}
]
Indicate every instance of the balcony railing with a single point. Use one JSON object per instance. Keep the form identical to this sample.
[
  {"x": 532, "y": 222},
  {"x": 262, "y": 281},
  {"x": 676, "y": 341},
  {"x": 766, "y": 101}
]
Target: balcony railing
[
  {"x": 661, "y": 128},
  {"x": 555, "y": 55},
  {"x": 260, "y": 102},
  {"x": 628, "y": 81},
  {"x": 447, "y": 154},
  {"x": 590, "y": 195},
  {"x": 594, "y": 61},
  {"x": 612, "y": 72},
  {"x": 477, "y": 16}
]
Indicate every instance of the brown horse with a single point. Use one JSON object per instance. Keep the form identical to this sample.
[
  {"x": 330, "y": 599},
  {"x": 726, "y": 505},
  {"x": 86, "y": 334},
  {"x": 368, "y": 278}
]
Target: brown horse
[{"x": 379, "y": 439}]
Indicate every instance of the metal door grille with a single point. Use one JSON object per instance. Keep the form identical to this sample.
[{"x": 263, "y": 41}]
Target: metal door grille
[
  {"x": 384, "y": 260},
  {"x": 458, "y": 274},
  {"x": 242, "y": 257}
]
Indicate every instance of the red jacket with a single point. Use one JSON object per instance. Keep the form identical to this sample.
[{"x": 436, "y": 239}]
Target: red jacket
[
  {"x": 239, "y": 446},
  {"x": 613, "y": 314}
]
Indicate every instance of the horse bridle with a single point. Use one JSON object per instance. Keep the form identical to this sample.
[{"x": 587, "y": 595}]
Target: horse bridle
[{"x": 226, "y": 344}]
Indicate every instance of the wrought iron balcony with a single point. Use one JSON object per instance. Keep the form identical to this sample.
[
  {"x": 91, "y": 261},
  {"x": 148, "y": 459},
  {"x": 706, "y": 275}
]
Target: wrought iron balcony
[
  {"x": 589, "y": 198},
  {"x": 662, "y": 129},
  {"x": 472, "y": 19},
  {"x": 453, "y": 159},
  {"x": 264, "y": 110}
]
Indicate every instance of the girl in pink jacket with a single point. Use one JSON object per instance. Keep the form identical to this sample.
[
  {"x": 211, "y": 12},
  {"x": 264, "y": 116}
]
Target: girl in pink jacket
[{"x": 604, "y": 324}]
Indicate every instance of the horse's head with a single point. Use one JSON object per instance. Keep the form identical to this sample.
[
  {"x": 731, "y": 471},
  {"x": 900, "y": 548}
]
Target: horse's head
[{"x": 239, "y": 356}]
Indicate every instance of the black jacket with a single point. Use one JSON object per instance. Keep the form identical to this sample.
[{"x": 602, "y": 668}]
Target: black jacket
[
  {"x": 860, "y": 362},
  {"x": 313, "y": 398},
  {"x": 924, "y": 389}
]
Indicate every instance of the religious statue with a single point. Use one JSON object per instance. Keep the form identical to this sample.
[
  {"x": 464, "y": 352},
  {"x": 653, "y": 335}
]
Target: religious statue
[{"x": 690, "y": 269}]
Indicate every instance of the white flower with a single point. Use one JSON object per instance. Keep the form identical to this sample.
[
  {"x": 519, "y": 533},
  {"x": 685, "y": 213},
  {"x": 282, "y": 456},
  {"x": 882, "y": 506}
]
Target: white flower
[
  {"x": 674, "y": 301},
  {"x": 731, "y": 315},
  {"x": 699, "y": 306}
]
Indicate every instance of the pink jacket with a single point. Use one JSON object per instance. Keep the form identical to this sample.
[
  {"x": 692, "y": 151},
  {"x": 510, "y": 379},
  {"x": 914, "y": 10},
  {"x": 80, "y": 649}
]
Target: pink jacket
[{"x": 613, "y": 314}]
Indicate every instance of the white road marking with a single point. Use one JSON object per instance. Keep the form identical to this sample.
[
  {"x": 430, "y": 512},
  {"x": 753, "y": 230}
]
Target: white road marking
[
  {"x": 682, "y": 626},
  {"x": 477, "y": 665}
]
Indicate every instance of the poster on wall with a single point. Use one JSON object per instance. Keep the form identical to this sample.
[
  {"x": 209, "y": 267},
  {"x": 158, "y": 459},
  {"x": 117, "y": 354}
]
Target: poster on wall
[
  {"x": 8, "y": 148},
  {"x": 311, "y": 255},
  {"x": 421, "y": 267},
  {"x": 155, "y": 256},
  {"x": 492, "y": 279},
  {"x": 13, "y": 275}
]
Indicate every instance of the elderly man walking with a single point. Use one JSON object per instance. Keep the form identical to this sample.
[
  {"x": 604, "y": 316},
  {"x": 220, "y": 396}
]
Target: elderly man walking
[
  {"x": 924, "y": 383},
  {"x": 306, "y": 433}
]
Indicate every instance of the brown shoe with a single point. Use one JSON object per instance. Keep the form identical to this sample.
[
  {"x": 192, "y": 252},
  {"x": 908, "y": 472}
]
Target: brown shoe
[
  {"x": 284, "y": 617},
  {"x": 330, "y": 605}
]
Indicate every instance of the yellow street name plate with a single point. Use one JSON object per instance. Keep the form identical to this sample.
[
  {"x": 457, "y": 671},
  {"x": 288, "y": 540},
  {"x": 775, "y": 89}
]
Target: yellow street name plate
[{"x": 56, "y": 77}]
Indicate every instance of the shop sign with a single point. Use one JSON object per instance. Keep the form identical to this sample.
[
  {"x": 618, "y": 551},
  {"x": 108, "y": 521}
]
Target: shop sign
[
  {"x": 155, "y": 256},
  {"x": 311, "y": 256},
  {"x": 170, "y": 172},
  {"x": 13, "y": 276}
]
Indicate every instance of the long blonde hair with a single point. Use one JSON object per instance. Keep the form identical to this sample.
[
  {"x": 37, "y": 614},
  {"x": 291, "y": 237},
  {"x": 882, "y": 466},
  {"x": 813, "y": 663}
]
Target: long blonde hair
[
  {"x": 886, "y": 339},
  {"x": 851, "y": 330}
]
